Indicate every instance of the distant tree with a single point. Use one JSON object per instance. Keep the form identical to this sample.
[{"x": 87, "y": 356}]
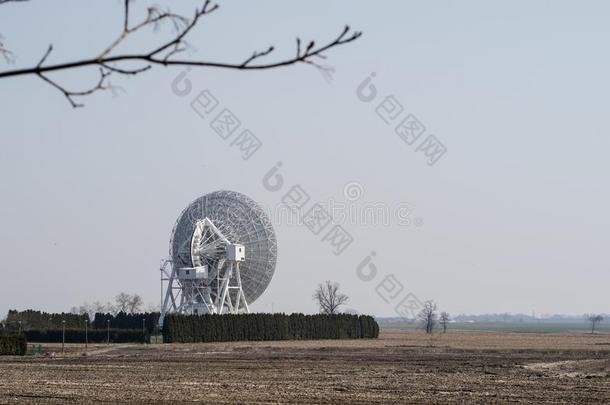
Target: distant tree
[
  {"x": 129, "y": 304},
  {"x": 122, "y": 301},
  {"x": 428, "y": 317},
  {"x": 444, "y": 320},
  {"x": 135, "y": 304},
  {"x": 328, "y": 297},
  {"x": 594, "y": 320},
  {"x": 99, "y": 307},
  {"x": 85, "y": 308}
]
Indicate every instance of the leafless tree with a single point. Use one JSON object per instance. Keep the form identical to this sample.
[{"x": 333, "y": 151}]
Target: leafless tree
[
  {"x": 99, "y": 307},
  {"x": 109, "y": 61},
  {"x": 135, "y": 304},
  {"x": 329, "y": 298},
  {"x": 428, "y": 317},
  {"x": 444, "y": 320},
  {"x": 85, "y": 308},
  {"x": 594, "y": 320},
  {"x": 123, "y": 301}
]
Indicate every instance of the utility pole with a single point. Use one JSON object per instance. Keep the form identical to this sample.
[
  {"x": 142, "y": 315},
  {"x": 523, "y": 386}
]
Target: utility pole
[
  {"x": 63, "y": 335},
  {"x": 86, "y": 335},
  {"x": 108, "y": 331},
  {"x": 143, "y": 330}
]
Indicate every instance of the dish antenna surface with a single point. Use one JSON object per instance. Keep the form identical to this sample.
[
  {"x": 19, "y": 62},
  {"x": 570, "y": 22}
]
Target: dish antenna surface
[{"x": 222, "y": 256}]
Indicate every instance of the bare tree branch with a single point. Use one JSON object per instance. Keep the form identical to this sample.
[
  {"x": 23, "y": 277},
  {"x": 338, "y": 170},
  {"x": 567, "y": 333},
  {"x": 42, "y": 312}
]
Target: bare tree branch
[
  {"x": 154, "y": 17},
  {"x": 71, "y": 94},
  {"x": 176, "y": 41},
  {"x": 6, "y": 54},
  {"x": 165, "y": 53},
  {"x": 126, "y": 71},
  {"x": 126, "y": 23},
  {"x": 256, "y": 55},
  {"x": 45, "y": 56}
]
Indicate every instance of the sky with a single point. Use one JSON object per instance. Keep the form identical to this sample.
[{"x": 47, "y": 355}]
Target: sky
[{"x": 509, "y": 215}]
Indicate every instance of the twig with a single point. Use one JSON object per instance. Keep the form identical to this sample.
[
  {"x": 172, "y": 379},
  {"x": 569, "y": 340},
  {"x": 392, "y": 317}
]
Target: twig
[
  {"x": 46, "y": 55},
  {"x": 198, "y": 13},
  {"x": 70, "y": 94},
  {"x": 154, "y": 17},
  {"x": 126, "y": 23},
  {"x": 126, "y": 71},
  {"x": 6, "y": 54},
  {"x": 256, "y": 55}
]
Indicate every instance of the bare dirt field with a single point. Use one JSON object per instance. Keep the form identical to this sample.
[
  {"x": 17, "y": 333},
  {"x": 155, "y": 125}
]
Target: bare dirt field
[{"x": 399, "y": 367}]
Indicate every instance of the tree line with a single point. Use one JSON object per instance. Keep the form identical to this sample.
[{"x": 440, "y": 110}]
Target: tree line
[
  {"x": 30, "y": 319},
  {"x": 261, "y": 326},
  {"x": 122, "y": 320},
  {"x": 46, "y": 327}
]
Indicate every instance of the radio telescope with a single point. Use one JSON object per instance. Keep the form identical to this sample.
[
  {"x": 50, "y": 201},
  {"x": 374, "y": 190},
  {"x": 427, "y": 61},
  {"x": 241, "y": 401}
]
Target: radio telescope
[{"x": 222, "y": 256}]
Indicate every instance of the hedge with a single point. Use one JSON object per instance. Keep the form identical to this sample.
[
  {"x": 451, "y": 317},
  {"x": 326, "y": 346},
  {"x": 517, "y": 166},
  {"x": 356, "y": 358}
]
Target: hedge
[
  {"x": 13, "y": 345},
  {"x": 123, "y": 320},
  {"x": 31, "y": 319},
  {"x": 94, "y": 336},
  {"x": 226, "y": 328}
]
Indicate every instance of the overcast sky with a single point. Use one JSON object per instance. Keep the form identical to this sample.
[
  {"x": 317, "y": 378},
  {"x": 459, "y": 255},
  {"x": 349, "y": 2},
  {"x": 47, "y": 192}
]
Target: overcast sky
[{"x": 513, "y": 217}]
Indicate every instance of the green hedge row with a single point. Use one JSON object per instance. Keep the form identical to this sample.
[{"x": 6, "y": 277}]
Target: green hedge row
[
  {"x": 13, "y": 345},
  {"x": 226, "y": 328},
  {"x": 149, "y": 320},
  {"x": 31, "y": 319},
  {"x": 93, "y": 335}
]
